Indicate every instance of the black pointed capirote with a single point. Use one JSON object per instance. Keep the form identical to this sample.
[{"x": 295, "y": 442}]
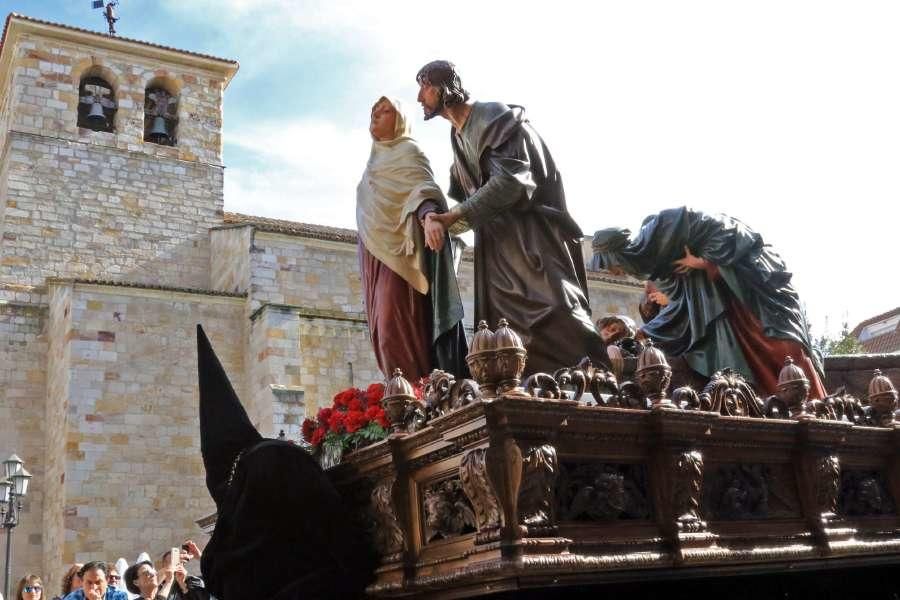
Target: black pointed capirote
[{"x": 225, "y": 428}]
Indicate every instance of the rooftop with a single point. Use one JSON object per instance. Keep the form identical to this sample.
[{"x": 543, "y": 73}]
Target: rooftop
[{"x": 339, "y": 234}]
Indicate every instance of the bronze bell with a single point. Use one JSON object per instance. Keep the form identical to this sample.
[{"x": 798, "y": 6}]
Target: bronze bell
[
  {"x": 510, "y": 357},
  {"x": 96, "y": 117},
  {"x": 159, "y": 133},
  {"x": 398, "y": 393},
  {"x": 653, "y": 375},
  {"x": 882, "y": 398},
  {"x": 481, "y": 360},
  {"x": 793, "y": 389}
]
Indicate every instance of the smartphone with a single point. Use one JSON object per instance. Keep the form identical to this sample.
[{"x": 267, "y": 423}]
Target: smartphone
[{"x": 175, "y": 557}]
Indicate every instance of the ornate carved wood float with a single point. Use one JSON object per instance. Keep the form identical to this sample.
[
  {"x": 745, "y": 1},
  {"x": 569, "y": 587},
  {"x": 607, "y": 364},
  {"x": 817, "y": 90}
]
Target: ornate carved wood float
[{"x": 482, "y": 492}]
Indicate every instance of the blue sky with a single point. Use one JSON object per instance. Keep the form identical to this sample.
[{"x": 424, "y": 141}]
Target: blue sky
[{"x": 785, "y": 114}]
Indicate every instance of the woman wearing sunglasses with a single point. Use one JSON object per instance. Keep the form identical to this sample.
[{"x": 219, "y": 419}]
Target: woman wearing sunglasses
[{"x": 30, "y": 588}]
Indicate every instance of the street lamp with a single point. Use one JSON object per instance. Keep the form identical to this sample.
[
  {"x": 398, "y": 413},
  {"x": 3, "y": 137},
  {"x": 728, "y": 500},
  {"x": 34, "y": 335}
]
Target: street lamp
[
  {"x": 12, "y": 490},
  {"x": 12, "y": 464}
]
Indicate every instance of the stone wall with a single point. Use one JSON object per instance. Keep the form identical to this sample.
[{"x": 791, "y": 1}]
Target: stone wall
[
  {"x": 609, "y": 298},
  {"x": 334, "y": 354},
  {"x": 311, "y": 273},
  {"x": 76, "y": 210},
  {"x": 46, "y": 75},
  {"x": 230, "y": 258},
  {"x": 56, "y": 414},
  {"x": 23, "y": 347},
  {"x": 132, "y": 472},
  {"x": 855, "y": 371}
]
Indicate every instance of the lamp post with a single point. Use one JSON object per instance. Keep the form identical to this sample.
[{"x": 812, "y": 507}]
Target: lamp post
[{"x": 12, "y": 490}]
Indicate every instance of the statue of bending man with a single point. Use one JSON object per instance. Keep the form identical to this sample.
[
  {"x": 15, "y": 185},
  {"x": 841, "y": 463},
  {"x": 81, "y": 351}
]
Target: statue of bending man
[
  {"x": 412, "y": 298},
  {"x": 726, "y": 297}
]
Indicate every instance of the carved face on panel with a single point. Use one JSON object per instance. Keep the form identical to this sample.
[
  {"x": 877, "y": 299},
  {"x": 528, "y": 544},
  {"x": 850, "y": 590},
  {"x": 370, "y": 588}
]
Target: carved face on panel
[{"x": 870, "y": 496}]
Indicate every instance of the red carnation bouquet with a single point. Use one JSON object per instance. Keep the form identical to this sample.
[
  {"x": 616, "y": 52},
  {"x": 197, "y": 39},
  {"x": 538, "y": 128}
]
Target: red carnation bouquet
[{"x": 355, "y": 419}]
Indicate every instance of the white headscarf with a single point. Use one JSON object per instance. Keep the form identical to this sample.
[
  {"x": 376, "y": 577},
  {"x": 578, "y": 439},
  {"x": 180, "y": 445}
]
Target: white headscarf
[{"x": 397, "y": 179}]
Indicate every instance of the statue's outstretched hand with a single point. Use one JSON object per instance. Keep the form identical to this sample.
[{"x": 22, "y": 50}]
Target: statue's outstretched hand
[
  {"x": 435, "y": 231},
  {"x": 689, "y": 262}
]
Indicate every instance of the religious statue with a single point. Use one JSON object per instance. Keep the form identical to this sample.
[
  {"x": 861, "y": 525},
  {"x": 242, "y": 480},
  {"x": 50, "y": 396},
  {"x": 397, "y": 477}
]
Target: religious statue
[
  {"x": 412, "y": 298},
  {"x": 719, "y": 296},
  {"x": 529, "y": 267},
  {"x": 617, "y": 333}
]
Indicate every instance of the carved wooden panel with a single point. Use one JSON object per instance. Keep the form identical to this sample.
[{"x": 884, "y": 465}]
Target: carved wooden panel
[
  {"x": 446, "y": 511},
  {"x": 865, "y": 493},
  {"x": 738, "y": 491},
  {"x": 596, "y": 491}
]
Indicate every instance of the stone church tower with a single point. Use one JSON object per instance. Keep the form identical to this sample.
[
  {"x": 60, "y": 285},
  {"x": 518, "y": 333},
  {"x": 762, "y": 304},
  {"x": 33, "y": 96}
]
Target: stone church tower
[
  {"x": 105, "y": 261},
  {"x": 113, "y": 246}
]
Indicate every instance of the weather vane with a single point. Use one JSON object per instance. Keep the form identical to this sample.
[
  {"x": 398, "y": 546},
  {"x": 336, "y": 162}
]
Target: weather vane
[{"x": 109, "y": 13}]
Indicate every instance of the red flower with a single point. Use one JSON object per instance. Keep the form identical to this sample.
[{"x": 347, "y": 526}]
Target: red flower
[
  {"x": 323, "y": 415},
  {"x": 336, "y": 422},
  {"x": 317, "y": 436},
  {"x": 355, "y": 405},
  {"x": 309, "y": 426},
  {"x": 342, "y": 398},
  {"x": 354, "y": 420},
  {"x": 374, "y": 394}
]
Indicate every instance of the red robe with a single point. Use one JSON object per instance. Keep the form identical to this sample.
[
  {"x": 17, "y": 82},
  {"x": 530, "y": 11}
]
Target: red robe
[{"x": 399, "y": 319}]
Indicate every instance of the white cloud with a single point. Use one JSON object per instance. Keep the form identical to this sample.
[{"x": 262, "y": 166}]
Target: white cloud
[
  {"x": 782, "y": 114},
  {"x": 306, "y": 170}
]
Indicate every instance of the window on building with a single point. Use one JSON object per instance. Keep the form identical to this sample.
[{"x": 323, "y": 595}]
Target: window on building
[
  {"x": 97, "y": 104},
  {"x": 160, "y": 116},
  {"x": 880, "y": 328}
]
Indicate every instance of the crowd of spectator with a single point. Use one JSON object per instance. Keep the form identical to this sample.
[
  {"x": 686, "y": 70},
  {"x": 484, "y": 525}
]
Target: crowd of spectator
[{"x": 167, "y": 579}]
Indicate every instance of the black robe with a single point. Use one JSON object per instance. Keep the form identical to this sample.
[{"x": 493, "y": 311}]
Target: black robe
[
  {"x": 282, "y": 532},
  {"x": 529, "y": 267}
]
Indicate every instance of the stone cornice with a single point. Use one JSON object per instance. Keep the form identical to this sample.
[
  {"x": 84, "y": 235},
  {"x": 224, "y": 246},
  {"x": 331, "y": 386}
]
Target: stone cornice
[
  {"x": 143, "y": 286},
  {"x": 311, "y": 313}
]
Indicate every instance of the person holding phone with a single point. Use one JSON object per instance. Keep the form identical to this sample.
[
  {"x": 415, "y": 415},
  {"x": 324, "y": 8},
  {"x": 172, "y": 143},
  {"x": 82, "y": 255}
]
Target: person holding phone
[{"x": 181, "y": 585}]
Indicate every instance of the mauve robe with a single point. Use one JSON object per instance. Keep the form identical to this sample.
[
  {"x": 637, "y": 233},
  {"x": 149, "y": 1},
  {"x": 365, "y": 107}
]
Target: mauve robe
[{"x": 405, "y": 333}]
